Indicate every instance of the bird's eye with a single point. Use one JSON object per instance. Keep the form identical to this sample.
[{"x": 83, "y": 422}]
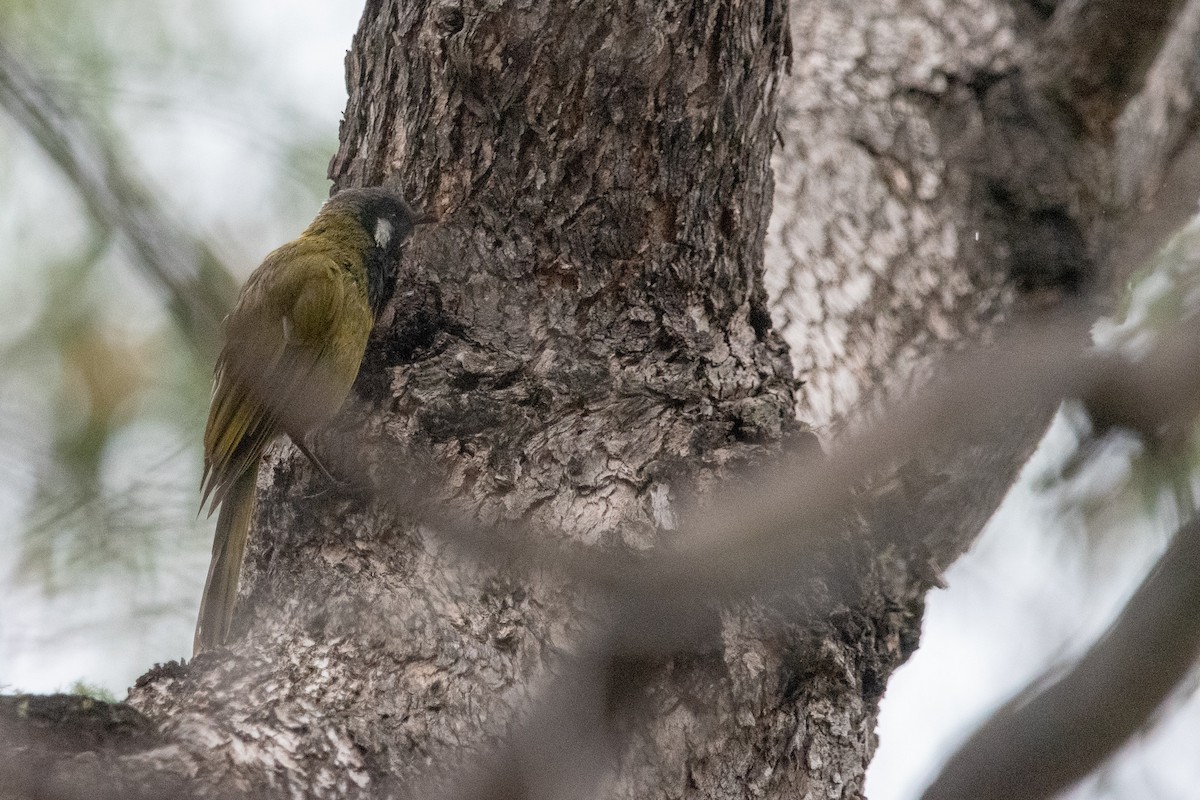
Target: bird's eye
[{"x": 383, "y": 232}]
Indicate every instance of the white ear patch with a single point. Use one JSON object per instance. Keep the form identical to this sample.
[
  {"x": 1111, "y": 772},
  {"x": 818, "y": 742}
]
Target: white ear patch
[{"x": 383, "y": 232}]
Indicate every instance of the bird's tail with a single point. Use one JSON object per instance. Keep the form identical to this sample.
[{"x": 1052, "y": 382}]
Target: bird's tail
[{"x": 229, "y": 543}]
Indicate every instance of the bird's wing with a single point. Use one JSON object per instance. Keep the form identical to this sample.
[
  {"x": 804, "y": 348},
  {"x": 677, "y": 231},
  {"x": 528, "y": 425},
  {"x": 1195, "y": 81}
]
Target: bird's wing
[{"x": 269, "y": 376}]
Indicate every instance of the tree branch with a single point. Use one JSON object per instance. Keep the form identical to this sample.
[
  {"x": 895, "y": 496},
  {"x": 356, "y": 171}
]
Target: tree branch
[
  {"x": 766, "y": 541},
  {"x": 1044, "y": 740},
  {"x": 1155, "y": 124},
  {"x": 199, "y": 289},
  {"x": 1096, "y": 54},
  {"x": 758, "y": 539},
  {"x": 72, "y": 747},
  {"x": 763, "y": 543}
]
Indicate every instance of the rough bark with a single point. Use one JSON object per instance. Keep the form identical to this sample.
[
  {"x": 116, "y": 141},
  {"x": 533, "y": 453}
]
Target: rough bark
[
  {"x": 585, "y": 341},
  {"x": 924, "y": 198},
  {"x": 1097, "y": 53},
  {"x": 586, "y": 344}
]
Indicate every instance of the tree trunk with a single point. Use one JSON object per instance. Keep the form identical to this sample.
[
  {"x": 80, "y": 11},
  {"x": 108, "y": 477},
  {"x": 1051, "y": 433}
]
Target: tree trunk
[
  {"x": 586, "y": 345},
  {"x": 584, "y": 342}
]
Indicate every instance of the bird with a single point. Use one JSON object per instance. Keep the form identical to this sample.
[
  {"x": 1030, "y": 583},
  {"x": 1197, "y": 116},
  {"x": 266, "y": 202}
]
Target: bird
[{"x": 292, "y": 348}]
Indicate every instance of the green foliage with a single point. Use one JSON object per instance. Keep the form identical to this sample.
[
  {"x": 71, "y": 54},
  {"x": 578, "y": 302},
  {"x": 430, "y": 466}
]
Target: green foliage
[
  {"x": 93, "y": 691},
  {"x": 1161, "y": 294},
  {"x": 102, "y": 398},
  {"x": 1117, "y": 484}
]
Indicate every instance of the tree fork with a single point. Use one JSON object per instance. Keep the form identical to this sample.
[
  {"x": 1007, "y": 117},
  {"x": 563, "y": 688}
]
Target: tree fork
[{"x": 584, "y": 342}]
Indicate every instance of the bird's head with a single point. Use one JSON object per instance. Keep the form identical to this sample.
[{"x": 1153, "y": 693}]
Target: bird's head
[
  {"x": 382, "y": 213},
  {"x": 387, "y": 220}
]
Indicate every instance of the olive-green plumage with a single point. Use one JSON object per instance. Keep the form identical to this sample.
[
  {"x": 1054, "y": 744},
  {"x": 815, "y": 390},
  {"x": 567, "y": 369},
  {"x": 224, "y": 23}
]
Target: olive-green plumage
[{"x": 293, "y": 345}]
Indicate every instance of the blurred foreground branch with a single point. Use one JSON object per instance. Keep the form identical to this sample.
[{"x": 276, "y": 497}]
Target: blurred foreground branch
[
  {"x": 199, "y": 289},
  {"x": 754, "y": 539},
  {"x": 762, "y": 542},
  {"x": 1045, "y": 739}
]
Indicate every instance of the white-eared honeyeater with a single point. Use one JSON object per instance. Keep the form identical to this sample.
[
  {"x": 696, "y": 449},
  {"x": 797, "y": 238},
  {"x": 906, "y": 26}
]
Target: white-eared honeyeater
[{"x": 293, "y": 345}]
